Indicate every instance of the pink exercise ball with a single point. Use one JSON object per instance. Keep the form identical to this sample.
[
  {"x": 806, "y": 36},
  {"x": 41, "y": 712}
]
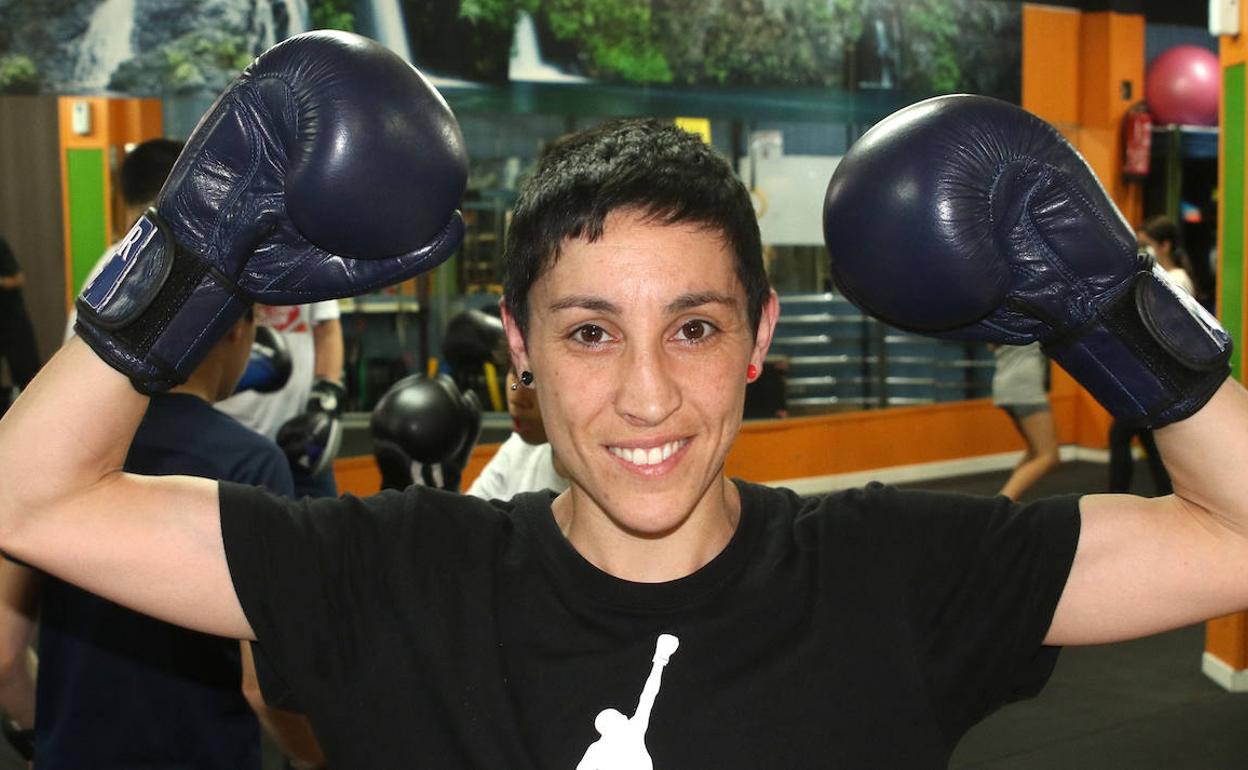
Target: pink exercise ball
[{"x": 1183, "y": 85}]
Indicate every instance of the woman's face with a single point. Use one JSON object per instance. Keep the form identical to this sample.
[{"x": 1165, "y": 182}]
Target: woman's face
[{"x": 639, "y": 344}]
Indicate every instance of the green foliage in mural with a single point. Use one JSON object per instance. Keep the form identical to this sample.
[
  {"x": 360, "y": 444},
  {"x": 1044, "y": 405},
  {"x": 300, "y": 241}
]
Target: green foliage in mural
[
  {"x": 931, "y": 30},
  {"x": 922, "y": 45},
  {"x": 18, "y": 75},
  {"x": 753, "y": 43},
  {"x": 200, "y": 61},
  {"x": 615, "y": 37},
  {"x": 332, "y": 14},
  {"x": 495, "y": 13}
]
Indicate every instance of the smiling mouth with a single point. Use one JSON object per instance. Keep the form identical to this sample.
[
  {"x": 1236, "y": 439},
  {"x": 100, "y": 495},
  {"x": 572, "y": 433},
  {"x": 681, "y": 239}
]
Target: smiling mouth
[{"x": 643, "y": 456}]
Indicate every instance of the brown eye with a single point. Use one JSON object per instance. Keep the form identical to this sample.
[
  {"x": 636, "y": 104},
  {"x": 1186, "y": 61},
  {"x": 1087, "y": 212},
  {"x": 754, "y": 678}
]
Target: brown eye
[
  {"x": 695, "y": 331},
  {"x": 589, "y": 334}
]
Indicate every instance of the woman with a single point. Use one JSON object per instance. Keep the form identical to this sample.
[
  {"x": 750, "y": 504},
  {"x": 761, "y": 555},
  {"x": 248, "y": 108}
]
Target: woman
[
  {"x": 656, "y": 607},
  {"x": 1018, "y": 387}
]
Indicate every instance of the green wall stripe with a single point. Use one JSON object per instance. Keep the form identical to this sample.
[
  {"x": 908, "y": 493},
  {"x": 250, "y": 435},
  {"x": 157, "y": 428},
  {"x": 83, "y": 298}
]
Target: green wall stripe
[
  {"x": 1231, "y": 299},
  {"x": 88, "y": 230}
]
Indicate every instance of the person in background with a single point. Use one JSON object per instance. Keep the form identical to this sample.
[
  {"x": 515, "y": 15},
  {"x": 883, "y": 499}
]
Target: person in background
[
  {"x": 302, "y": 416},
  {"x": 140, "y": 175},
  {"x": 423, "y": 430},
  {"x": 1160, "y": 238},
  {"x": 116, "y": 688},
  {"x": 474, "y": 354},
  {"x": 1018, "y": 387},
  {"x": 17, "y": 335},
  {"x": 525, "y": 462}
]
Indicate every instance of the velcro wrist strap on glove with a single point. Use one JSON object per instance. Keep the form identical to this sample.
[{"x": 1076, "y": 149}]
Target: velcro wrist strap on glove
[
  {"x": 1151, "y": 355},
  {"x": 132, "y": 313}
]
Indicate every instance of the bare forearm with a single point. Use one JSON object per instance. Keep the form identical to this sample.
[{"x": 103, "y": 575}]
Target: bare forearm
[
  {"x": 19, "y": 607},
  {"x": 17, "y": 691},
  {"x": 69, "y": 430},
  {"x": 327, "y": 338},
  {"x": 290, "y": 731},
  {"x": 1206, "y": 455}
]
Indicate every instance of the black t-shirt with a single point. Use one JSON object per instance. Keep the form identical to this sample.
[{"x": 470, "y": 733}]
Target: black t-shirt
[
  {"x": 868, "y": 628},
  {"x": 117, "y": 689}
]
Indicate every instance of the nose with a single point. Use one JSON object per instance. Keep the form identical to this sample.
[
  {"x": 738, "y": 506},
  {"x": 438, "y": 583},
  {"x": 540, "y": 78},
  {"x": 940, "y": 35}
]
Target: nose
[{"x": 647, "y": 392}]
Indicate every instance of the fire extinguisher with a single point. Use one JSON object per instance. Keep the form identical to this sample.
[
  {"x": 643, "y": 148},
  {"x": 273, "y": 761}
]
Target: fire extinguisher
[{"x": 1137, "y": 144}]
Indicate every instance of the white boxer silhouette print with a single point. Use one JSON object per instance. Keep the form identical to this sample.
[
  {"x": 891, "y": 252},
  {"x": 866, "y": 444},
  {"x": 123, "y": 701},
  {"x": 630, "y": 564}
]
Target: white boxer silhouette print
[{"x": 623, "y": 742}]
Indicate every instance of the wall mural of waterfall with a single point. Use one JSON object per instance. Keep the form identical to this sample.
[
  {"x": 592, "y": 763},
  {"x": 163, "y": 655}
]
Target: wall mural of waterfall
[
  {"x": 146, "y": 47},
  {"x": 162, "y": 47}
]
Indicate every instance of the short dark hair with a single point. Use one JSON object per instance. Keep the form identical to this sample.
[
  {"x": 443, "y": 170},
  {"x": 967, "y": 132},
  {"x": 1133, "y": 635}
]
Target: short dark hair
[
  {"x": 668, "y": 174},
  {"x": 144, "y": 169},
  {"x": 1161, "y": 229}
]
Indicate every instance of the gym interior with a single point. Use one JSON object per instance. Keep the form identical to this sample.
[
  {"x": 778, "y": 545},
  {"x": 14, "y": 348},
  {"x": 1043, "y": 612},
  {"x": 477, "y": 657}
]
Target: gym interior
[{"x": 1152, "y": 94}]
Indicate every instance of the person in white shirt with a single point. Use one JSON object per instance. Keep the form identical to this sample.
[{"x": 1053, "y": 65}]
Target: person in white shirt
[{"x": 525, "y": 461}]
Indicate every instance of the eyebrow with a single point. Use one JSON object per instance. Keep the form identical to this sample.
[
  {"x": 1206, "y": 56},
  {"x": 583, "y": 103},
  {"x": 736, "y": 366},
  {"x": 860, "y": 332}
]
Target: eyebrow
[
  {"x": 697, "y": 299},
  {"x": 585, "y": 302},
  {"x": 681, "y": 303}
]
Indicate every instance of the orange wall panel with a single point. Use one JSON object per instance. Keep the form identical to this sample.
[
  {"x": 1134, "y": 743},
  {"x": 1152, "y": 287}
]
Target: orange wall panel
[
  {"x": 1227, "y": 639},
  {"x": 772, "y": 450},
  {"x": 1051, "y": 63}
]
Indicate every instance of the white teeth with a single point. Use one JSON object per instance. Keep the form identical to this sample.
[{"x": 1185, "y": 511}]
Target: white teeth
[{"x": 652, "y": 456}]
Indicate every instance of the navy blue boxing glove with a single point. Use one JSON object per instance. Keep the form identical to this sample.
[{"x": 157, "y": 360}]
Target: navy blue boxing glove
[
  {"x": 268, "y": 366},
  {"x": 968, "y": 218},
  {"x": 328, "y": 169},
  {"x": 311, "y": 440}
]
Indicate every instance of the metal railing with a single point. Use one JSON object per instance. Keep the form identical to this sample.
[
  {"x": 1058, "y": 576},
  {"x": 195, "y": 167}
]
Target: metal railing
[{"x": 837, "y": 358}]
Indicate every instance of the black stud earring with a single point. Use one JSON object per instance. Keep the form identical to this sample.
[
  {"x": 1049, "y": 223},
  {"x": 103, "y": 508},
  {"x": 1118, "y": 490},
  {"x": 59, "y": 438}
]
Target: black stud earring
[{"x": 526, "y": 379}]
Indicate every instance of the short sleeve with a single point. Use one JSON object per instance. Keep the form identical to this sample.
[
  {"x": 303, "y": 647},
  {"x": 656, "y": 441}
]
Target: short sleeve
[
  {"x": 981, "y": 578},
  {"x": 294, "y": 565},
  {"x": 325, "y": 311},
  {"x": 322, "y": 579}
]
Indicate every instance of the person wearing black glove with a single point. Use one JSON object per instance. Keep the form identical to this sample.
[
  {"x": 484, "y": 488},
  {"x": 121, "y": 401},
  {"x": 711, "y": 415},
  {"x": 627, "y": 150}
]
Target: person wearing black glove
[
  {"x": 423, "y": 432},
  {"x": 311, "y": 440},
  {"x": 863, "y": 628}
]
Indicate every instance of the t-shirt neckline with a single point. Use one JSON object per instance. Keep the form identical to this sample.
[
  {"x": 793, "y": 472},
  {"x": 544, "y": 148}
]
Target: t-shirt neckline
[{"x": 595, "y": 585}]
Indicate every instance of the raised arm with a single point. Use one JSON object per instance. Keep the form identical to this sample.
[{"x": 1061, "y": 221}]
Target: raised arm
[
  {"x": 153, "y": 544},
  {"x": 969, "y": 218},
  {"x": 329, "y": 168},
  {"x": 1146, "y": 565}
]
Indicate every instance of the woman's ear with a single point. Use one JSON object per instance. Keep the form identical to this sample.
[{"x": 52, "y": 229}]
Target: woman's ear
[
  {"x": 766, "y": 328},
  {"x": 515, "y": 339}
]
